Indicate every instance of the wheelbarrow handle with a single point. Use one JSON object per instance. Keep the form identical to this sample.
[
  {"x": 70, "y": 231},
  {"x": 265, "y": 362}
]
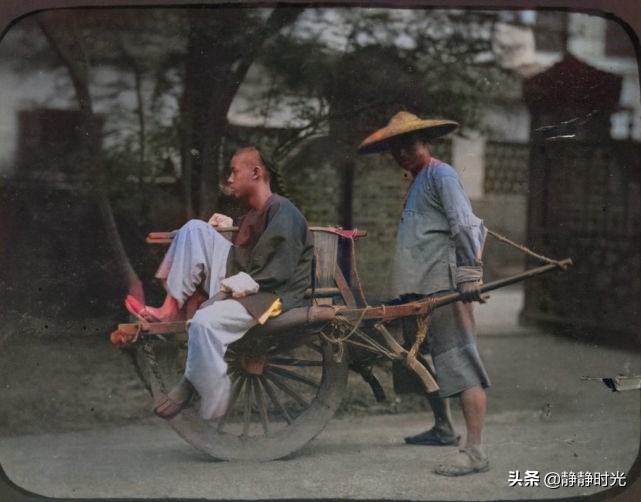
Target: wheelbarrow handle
[
  {"x": 448, "y": 298},
  {"x": 426, "y": 305}
]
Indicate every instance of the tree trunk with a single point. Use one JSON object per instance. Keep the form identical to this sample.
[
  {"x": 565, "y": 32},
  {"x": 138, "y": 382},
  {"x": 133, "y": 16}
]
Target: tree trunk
[
  {"x": 216, "y": 64},
  {"x": 59, "y": 28}
]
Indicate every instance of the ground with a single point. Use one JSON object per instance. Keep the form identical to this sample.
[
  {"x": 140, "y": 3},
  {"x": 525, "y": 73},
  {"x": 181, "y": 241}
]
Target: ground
[
  {"x": 75, "y": 421},
  {"x": 66, "y": 376}
]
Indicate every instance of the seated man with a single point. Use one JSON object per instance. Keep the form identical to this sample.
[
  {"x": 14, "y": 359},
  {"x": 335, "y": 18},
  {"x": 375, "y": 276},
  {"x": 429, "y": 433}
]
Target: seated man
[{"x": 267, "y": 268}]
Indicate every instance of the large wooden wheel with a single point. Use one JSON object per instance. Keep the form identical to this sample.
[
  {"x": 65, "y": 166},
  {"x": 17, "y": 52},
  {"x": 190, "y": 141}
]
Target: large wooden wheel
[{"x": 285, "y": 389}]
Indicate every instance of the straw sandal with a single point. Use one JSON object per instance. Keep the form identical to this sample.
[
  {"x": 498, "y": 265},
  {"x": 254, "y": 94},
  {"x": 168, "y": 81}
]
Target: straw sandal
[{"x": 466, "y": 461}]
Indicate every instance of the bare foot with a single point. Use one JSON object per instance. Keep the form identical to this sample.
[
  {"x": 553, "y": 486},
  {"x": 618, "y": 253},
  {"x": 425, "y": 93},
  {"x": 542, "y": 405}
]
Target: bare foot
[
  {"x": 160, "y": 314},
  {"x": 167, "y": 312}
]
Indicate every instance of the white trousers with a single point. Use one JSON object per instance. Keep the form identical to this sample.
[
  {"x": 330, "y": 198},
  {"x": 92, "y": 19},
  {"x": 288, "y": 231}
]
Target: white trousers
[
  {"x": 197, "y": 257},
  {"x": 211, "y": 330}
]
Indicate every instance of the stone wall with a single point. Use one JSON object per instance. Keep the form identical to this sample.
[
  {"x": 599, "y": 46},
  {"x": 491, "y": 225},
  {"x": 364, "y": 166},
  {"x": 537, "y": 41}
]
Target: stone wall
[{"x": 378, "y": 203}]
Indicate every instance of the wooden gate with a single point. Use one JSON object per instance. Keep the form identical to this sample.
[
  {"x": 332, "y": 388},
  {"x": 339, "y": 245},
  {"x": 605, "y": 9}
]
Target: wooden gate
[{"x": 585, "y": 202}]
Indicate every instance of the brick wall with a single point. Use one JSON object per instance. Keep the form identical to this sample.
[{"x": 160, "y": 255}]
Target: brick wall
[{"x": 314, "y": 184}]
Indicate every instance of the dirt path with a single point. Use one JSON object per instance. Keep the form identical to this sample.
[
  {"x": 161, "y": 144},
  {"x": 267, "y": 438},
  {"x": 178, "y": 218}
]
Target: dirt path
[
  {"x": 354, "y": 458},
  {"x": 75, "y": 422}
]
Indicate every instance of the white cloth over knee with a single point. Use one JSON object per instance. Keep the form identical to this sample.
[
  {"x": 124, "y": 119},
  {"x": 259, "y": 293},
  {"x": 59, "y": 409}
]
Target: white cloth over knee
[
  {"x": 211, "y": 330},
  {"x": 196, "y": 257}
]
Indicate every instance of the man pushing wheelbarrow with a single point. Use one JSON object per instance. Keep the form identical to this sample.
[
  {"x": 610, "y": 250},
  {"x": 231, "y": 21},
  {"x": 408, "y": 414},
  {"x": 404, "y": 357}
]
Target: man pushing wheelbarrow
[{"x": 438, "y": 248}]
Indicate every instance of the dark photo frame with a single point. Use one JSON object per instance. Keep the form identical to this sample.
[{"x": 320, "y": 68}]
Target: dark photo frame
[{"x": 554, "y": 128}]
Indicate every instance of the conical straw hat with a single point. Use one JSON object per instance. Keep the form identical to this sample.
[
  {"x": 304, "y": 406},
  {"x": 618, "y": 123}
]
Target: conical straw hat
[{"x": 403, "y": 123}]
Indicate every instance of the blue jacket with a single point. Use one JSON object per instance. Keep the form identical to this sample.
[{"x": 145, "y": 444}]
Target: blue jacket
[{"x": 440, "y": 240}]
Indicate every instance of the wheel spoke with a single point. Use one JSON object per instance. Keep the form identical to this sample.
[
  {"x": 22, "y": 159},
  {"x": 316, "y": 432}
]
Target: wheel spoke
[
  {"x": 284, "y": 372},
  {"x": 247, "y": 408},
  {"x": 261, "y": 404},
  {"x": 288, "y": 361},
  {"x": 315, "y": 346},
  {"x": 286, "y": 388},
  {"x": 274, "y": 398}
]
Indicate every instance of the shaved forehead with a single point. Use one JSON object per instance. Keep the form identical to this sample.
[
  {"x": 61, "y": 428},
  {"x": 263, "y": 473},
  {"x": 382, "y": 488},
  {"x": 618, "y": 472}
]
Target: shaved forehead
[{"x": 249, "y": 156}]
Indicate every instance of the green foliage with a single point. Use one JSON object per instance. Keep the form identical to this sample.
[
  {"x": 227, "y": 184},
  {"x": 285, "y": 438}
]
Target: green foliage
[
  {"x": 433, "y": 62},
  {"x": 336, "y": 71}
]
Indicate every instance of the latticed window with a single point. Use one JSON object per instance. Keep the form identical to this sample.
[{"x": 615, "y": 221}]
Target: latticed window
[
  {"x": 506, "y": 168},
  {"x": 585, "y": 202}
]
